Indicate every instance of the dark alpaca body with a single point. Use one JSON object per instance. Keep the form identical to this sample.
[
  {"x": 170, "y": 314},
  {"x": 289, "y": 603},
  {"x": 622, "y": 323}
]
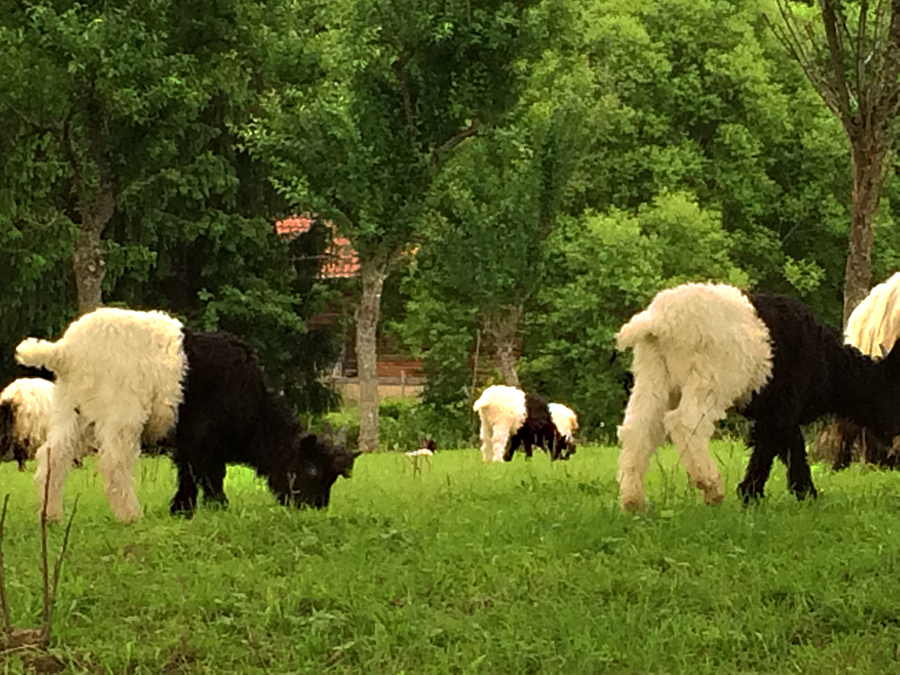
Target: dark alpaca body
[
  {"x": 871, "y": 449},
  {"x": 814, "y": 374},
  {"x": 538, "y": 430},
  {"x": 228, "y": 416}
]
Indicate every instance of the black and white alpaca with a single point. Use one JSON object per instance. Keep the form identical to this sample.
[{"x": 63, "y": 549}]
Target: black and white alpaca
[
  {"x": 24, "y": 418},
  {"x": 873, "y": 328},
  {"x": 136, "y": 376},
  {"x": 509, "y": 414},
  {"x": 700, "y": 349}
]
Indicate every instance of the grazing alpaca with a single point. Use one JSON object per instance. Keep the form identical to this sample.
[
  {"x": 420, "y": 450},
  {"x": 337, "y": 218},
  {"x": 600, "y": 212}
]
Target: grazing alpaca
[
  {"x": 137, "y": 376},
  {"x": 873, "y": 328},
  {"x": 508, "y": 413},
  {"x": 24, "y": 418},
  {"x": 427, "y": 448},
  {"x": 565, "y": 420},
  {"x": 699, "y": 349}
]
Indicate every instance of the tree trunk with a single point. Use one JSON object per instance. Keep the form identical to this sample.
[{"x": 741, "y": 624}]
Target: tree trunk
[
  {"x": 867, "y": 155},
  {"x": 372, "y": 273},
  {"x": 503, "y": 328},
  {"x": 96, "y": 210},
  {"x": 89, "y": 265}
]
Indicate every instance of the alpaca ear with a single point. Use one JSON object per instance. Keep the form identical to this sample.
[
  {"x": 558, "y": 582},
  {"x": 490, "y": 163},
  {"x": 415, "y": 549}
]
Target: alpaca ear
[{"x": 356, "y": 454}]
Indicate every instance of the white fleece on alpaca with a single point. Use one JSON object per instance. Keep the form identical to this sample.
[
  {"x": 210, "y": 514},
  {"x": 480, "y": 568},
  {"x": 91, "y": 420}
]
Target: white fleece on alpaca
[
  {"x": 698, "y": 350},
  {"x": 874, "y": 325},
  {"x": 30, "y": 398},
  {"x": 121, "y": 371},
  {"x": 502, "y": 412},
  {"x": 565, "y": 419}
]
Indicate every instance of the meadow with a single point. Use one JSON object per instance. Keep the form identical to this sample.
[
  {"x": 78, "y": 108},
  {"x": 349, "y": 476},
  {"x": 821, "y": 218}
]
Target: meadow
[{"x": 516, "y": 568}]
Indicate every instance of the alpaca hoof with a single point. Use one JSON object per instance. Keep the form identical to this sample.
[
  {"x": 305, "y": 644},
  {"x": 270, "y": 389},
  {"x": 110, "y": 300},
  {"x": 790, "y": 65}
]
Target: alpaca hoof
[
  {"x": 634, "y": 504},
  {"x": 130, "y": 516},
  {"x": 803, "y": 494},
  {"x": 713, "y": 498},
  {"x": 217, "y": 503},
  {"x": 52, "y": 516},
  {"x": 749, "y": 494},
  {"x": 185, "y": 508}
]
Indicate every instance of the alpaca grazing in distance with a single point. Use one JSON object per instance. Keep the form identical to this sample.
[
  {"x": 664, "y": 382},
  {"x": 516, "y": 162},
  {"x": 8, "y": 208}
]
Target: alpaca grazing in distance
[
  {"x": 700, "y": 349},
  {"x": 141, "y": 376},
  {"x": 508, "y": 414},
  {"x": 24, "y": 418},
  {"x": 873, "y": 328}
]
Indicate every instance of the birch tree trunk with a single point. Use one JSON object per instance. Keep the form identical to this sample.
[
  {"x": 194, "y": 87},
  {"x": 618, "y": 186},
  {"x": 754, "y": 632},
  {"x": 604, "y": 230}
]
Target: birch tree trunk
[
  {"x": 372, "y": 273},
  {"x": 87, "y": 260},
  {"x": 503, "y": 329},
  {"x": 96, "y": 208}
]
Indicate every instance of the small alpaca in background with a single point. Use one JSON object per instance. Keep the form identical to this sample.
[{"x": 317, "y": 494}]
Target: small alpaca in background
[
  {"x": 427, "y": 448},
  {"x": 508, "y": 414},
  {"x": 141, "y": 376},
  {"x": 700, "y": 349},
  {"x": 24, "y": 418}
]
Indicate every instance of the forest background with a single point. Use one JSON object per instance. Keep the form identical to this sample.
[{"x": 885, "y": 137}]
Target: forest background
[{"x": 517, "y": 178}]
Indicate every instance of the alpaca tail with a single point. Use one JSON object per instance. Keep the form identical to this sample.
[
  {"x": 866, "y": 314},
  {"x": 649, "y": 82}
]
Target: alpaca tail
[
  {"x": 39, "y": 354},
  {"x": 641, "y": 327},
  {"x": 482, "y": 401}
]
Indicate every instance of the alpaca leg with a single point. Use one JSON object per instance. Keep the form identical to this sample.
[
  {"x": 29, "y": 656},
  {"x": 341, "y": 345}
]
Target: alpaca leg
[
  {"x": 487, "y": 432},
  {"x": 498, "y": 441},
  {"x": 516, "y": 441},
  {"x": 641, "y": 433},
  {"x": 690, "y": 426},
  {"x": 54, "y": 460},
  {"x": 799, "y": 477},
  {"x": 184, "y": 502},
  {"x": 20, "y": 454},
  {"x": 213, "y": 484},
  {"x": 119, "y": 449},
  {"x": 849, "y": 433},
  {"x": 764, "y": 444}
]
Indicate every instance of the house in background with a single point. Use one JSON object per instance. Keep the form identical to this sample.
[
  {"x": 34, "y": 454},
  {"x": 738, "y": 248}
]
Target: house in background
[{"x": 398, "y": 373}]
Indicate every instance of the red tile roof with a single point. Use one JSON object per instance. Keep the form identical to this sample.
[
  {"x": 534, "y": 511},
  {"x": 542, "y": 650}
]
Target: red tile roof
[{"x": 340, "y": 260}]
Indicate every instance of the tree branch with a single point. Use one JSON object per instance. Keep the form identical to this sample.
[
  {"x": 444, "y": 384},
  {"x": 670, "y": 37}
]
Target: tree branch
[
  {"x": 884, "y": 106},
  {"x": 400, "y": 70},
  {"x": 6, "y": 625},
  {"x": 790, "y": 37},
  {"x": 468, "y": 132},
  {"x": 834, "y": 25}
]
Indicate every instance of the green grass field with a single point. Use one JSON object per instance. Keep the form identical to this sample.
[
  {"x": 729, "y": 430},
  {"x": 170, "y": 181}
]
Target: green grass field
[{"x": 513, "y": 568}]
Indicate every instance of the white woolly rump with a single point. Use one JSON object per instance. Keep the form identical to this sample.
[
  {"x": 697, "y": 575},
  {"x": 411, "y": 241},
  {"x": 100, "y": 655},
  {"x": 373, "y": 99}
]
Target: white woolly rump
[
  {"x": 30, "y": 398},
  {"x": 698, "y": 350},
  {"x": 121, "y": 371},
  {"x": 502, "y": 412},
  {"x": 874, "y": 325}
]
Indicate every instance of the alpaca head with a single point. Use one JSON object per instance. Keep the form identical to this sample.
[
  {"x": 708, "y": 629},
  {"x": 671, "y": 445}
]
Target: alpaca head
[
  {"x": 7, "y": 439},
  {"x": 312, "y": 467}
]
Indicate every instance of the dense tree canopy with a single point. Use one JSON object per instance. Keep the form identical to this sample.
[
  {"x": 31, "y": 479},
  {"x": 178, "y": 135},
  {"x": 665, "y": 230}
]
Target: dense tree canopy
[{"x": 524, "y": 175}]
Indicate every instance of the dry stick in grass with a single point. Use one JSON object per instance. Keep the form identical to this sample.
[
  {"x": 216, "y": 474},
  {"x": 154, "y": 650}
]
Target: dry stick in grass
[
  {"x": 49, "y": 591},
  {"x": 6, "y": 626}
]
